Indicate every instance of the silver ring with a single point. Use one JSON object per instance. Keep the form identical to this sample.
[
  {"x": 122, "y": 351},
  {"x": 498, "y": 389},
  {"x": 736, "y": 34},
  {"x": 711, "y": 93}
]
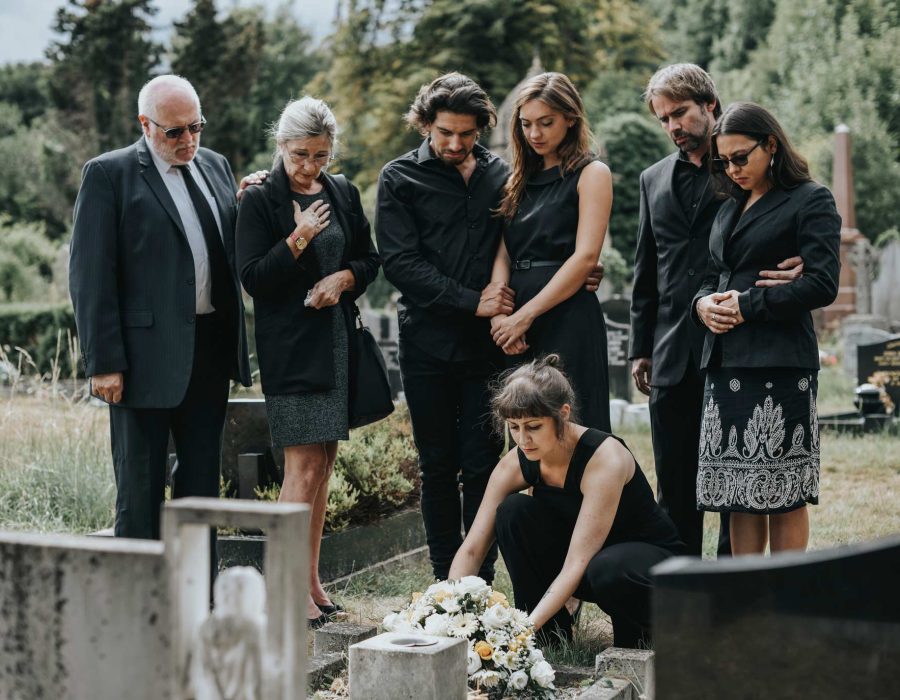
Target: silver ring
[{"x": 715, "y": 317}]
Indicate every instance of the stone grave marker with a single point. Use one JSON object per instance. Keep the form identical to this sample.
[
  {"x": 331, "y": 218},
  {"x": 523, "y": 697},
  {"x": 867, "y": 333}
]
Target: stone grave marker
[
  {"x": 885, "y": 288},
  {"x": 883, "y": 361},
  {"x": 617, "y": 312},
  {"x": 822, "y": 624}
]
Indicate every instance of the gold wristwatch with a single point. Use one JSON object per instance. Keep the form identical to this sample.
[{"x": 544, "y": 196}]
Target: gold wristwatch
[{"x": 300, "y": 243}]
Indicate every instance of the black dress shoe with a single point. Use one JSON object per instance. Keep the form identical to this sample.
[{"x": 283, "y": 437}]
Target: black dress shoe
[
  {"x": 315, "y": 623},
  {"x": 330, "y": 609}
]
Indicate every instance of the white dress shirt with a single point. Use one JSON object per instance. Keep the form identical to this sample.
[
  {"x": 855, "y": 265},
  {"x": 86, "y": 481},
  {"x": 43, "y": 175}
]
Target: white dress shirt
[{"x": 177, "y": 187}]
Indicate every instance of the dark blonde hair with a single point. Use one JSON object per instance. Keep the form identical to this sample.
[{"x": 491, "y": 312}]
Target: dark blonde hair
[
  {"x": 537, "y": 389},
  {"x": 559, "y": 94},
  {"x": 680, "y": 82},
  {"x": 453, "y": 92}
]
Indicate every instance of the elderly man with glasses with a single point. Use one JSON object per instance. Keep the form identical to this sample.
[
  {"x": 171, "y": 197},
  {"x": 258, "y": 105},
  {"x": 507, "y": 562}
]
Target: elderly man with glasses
[{"x": 157, "y": 302}]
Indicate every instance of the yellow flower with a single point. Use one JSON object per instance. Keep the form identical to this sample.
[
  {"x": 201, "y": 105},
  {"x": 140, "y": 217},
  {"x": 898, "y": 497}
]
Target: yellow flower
[
  {"x": 497, "y": 598},
  {"x": 416, "y": 596},
  {"x": 440, "y": 596},
  {"x": 484, "y": 650}
]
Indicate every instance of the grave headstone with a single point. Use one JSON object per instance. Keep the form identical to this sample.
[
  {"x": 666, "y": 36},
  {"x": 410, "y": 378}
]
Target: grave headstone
[
  {"x": 885, "y": 289},
  {"x": 880, "y": 363},
  {"x": 617, "y": 312},
  {"x": 823, "y": 624},
  {"x": 860, "y": 330}
]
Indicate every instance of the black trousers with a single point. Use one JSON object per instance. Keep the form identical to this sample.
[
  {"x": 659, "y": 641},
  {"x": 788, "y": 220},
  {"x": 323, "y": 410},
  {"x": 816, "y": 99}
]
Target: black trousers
[
  {"x": 675, "y": 416},
  {"x": 534, "y": 543},
  {"x": 448, "y": 408},
  {"x": 140, "y": 438}
]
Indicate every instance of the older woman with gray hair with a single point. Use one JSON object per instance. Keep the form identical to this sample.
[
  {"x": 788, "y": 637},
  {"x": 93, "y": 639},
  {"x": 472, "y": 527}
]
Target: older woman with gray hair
[{"x": 305, "y": 253}]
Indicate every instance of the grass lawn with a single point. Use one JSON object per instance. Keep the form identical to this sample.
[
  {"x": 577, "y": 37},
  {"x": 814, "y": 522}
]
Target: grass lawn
[{"x": 56, "y": 476}]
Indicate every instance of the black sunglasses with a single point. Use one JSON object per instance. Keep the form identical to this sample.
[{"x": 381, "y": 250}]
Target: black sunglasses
[
  {"x": 720, "y": 165},
  {"x": 176, "y": 131}
]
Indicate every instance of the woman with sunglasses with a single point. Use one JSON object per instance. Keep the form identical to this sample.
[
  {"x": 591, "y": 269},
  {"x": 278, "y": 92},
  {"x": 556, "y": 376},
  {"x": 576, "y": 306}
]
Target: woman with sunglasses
[
  {"x": 304, "y": 253},
  {"x": 759, "y": 440}
]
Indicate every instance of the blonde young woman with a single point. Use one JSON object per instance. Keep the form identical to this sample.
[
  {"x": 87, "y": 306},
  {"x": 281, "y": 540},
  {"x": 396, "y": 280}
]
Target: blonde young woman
[{"x": 556, "y": 205}]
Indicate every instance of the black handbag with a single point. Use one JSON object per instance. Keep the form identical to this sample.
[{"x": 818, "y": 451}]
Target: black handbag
[{"x": 370, "y": 390}]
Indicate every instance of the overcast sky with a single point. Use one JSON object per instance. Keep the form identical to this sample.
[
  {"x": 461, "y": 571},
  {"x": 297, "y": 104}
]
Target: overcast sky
[{"x": 25, "y": 24}]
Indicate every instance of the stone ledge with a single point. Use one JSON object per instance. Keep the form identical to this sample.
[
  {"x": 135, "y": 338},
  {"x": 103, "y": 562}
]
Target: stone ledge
[
  {"x": 609, "y": 689},
  {"x": 321, "y": 668},
  {"x": 338, "y": 637},
  {"x": 634, "y": 665}
]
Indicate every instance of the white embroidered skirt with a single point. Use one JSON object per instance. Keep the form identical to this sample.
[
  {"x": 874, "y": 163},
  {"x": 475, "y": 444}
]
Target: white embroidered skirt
[{"x": 759, "y": 440}]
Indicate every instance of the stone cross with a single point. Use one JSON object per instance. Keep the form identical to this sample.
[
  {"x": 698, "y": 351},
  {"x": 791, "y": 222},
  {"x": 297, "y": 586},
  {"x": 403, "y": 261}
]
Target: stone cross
[{"x": 864, "y": 259}]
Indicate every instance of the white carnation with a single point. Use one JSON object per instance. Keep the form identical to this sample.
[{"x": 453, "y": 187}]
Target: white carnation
[
  {"x": 518, "y": 680},
  {"x": 496, "y": 617},
  {"x": 518, "y": 617},
  {"x": 543, "y": 674},
  {"x": 437, "y": 625}
]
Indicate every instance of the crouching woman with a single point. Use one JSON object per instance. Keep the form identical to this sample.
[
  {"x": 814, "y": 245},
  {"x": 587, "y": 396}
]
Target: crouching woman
[{"x": 591, "y": 528}]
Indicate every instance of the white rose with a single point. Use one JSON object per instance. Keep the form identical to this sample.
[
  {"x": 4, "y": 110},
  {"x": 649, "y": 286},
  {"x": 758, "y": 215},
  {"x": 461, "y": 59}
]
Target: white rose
[
  {"x": 535, "y": 656},
  {"x": 473, "y": 586},
  {"x": 518, "y": 680},
  {"x": 390, "y": 622},
  {"x": 444, "y": 587},
  {"x": 496, "y": 617},
  {"x": 436, "y": 625},
  {"x": 473, "y": 661},
  {"x": 450, "y": 605},
  {"x": 543, "y": 674}
]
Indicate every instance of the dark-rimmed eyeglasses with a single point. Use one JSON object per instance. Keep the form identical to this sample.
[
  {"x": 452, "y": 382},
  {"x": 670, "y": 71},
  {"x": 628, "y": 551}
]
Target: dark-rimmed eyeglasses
[
  {"x": 174, "y": 132},
  {"x": 720, "y": 165}
]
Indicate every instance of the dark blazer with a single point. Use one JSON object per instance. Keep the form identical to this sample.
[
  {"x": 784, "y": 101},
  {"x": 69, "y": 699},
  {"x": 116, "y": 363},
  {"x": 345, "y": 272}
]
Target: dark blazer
[
  {"x": 669, "y": 265},
  {"x": 778, "y": 328},
  {"x": 131, "y": 275},
  {"x": 294, "y": 342}
]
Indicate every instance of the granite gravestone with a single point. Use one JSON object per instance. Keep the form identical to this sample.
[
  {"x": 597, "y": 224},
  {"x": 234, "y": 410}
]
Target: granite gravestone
[
  {"x": 879, "y": 364},
  {"x": 822, "y": 625},
  {"x": 617, "y": 312}
]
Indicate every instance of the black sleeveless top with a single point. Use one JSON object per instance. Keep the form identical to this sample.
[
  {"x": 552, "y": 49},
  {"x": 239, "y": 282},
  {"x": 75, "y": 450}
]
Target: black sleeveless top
[{"x": 638, "y": 517}]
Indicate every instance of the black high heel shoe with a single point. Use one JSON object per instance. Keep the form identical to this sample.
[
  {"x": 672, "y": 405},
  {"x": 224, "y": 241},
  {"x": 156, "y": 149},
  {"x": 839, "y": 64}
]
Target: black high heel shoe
[
  {"x": 315, "y": 623},
  {"x": 330, "y": 609}
]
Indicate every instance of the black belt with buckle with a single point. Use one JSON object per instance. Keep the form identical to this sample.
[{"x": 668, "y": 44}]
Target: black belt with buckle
[{"x": 528, "y": 264}]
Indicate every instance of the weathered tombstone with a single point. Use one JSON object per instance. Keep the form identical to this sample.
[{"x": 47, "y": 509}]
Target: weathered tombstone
[
  {"x": 617, "y": 312},
  {"x": 885, "y": 289},
  {"x": 823, "y": 624},
  {"x": 881, "y": 361},
  {"x": 401, "y": 666},
  {"x": 860, "y": 330}
]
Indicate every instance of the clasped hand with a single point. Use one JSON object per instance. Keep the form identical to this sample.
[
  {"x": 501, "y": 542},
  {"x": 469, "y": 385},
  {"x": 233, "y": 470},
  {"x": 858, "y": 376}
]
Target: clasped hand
[
  {"x": 508, "y": 332},
  {"x": 327, "y": 291},
  {"x": 720, "y": 312}
]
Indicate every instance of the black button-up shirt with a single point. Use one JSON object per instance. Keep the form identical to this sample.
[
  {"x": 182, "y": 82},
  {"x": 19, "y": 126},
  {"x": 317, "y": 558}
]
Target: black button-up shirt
[
  {"x": 690, "y": 182},
  {"x": 438, "y": 237}
]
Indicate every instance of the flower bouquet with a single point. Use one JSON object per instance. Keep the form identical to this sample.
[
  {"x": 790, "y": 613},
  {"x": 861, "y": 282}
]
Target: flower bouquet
[{"x": 502, "y": 658}]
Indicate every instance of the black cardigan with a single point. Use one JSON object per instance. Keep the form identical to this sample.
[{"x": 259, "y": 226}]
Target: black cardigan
[
  {"x": 778, "y": 329},
  {"x": 294, "y": 342}
]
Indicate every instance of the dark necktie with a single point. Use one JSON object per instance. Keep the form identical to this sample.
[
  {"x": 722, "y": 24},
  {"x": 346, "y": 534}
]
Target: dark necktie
[{"x": 222, "y": 292}]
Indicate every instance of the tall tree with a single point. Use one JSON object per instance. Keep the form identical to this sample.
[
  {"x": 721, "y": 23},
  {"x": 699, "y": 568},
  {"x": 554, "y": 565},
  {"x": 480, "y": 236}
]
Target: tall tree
[{"x": 99, "y": 65}]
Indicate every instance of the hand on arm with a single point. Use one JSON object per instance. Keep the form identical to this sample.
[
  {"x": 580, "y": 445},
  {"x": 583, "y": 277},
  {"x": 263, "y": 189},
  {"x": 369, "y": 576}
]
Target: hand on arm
[
  {"x": 788, "y": 271},
  {"x": 595, "y": 201},
  {"x": 594, "y": 278},
  {"x": 505, "y": 479},
  {"x": 605, "y": 476}
]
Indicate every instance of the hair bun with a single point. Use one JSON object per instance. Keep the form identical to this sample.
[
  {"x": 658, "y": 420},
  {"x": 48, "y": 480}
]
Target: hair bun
[{"x": 551, "y": 360}]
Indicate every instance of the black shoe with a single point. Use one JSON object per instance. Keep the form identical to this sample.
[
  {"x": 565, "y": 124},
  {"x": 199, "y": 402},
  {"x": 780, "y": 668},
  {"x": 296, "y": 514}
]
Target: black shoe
[
  {"x": 315, "y": 623},
  {"x": 330, "y": 609}
]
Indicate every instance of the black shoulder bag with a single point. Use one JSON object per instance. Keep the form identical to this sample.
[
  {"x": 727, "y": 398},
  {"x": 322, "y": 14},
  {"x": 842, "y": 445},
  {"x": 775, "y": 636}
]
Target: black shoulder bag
[{"x": 370, "y": 390}]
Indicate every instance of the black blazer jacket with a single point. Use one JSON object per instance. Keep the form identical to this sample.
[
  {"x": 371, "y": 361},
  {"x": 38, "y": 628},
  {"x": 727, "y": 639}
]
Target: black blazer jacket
[
  {"x": 294, "y": 342},
  {"x": 669, "y": 266},
  {"x": 778, "y": 328},
  {"x": 131, "y": 275}
]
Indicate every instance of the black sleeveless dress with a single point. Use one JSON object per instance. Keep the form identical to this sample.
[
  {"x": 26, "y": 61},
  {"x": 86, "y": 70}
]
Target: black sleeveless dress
[
  {"x": 638, "y": 518},
  {"x": 543, "y": 231}
]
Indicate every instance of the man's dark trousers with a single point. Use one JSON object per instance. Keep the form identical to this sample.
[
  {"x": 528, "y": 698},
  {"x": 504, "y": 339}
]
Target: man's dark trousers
[
  {"x": 140, "y": 438},
  {"x": 449, "y": 408},
  {"x": 676, "y": 413}
]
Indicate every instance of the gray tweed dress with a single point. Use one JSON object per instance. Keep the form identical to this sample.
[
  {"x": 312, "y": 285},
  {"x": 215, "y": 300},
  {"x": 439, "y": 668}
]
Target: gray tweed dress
[{"x": 318, "y": 416}]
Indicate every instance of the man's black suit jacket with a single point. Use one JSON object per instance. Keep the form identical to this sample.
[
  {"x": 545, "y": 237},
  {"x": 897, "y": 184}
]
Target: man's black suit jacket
[
  {"x": 131, "y": 275},
  {"x": 669, "y": 266},
  {"x": 778, "y": 329}
]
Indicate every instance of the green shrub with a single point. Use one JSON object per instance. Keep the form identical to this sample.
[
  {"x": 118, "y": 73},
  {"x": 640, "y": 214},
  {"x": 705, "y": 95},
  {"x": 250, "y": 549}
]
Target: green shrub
[{"x": 44, "y": 331}]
